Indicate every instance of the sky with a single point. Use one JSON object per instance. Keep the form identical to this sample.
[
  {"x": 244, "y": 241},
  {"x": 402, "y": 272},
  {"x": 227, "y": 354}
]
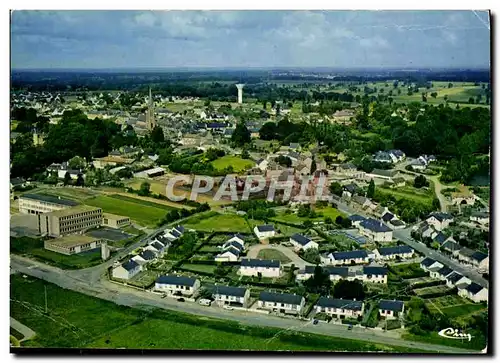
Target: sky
[{"x": 336, "y": 39}]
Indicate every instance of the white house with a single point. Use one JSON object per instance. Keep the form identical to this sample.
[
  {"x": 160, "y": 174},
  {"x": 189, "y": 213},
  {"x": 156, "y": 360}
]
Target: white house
[
  {"x": 264, "y": 231},
  {"x": 340, "y": 308},
  {"x": 428, "y": 263},
  {"x": 480, "y": 217},
  {"x": 391, "y": 253},
  {"x": 262, "y": 164},
  {"x": 455, "y": 279},
  {"x": 156, "y": 247},
  {"x": 282, "y": 303},
  {"x": 441, "y": 273},
  {"x": 391, "y": 309},
  {"x": 377, "y": 275},
  {"x": 439, "y": 220},
  {"x": 228, "y": 295},
  {"x": 145, "y": 257},
  {"x": 418, "y": 164},
  {"x": 237, "y": 238},
  {"x": 345, "y": 258},
  {"x": 396, "y": 224},
  {"x": 177, "y": 285},
  {"x": 356, "y": 219},
  {"x": 175, "y": 232},
  {"x": 302, "y": 242},
  {"x": 126, "y": 270},
  {"x": 474, "y": 292},
  {"x": 375, "y": 230},
  {"x": 267, "y": 268},
  {"x": 475, "y": 258},
  {"x": 335, "y": 273}
]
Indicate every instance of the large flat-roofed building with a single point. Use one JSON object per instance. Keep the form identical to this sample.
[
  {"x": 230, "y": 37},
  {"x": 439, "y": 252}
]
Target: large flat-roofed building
[
  {"x": 114, "y": 221},
  {"x": 72, "y": 244},
  {"x": 68, "y": 221},
  {"x": 40, "y": 203}
]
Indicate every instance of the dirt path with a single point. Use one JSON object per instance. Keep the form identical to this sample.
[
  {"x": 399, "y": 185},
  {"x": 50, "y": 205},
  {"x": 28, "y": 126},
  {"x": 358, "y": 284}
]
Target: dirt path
[{"x": 23, "y": 329}]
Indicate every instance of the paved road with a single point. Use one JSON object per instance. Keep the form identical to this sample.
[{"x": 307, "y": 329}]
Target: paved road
[
  {"x": 23, "y": 329},
  {"x": 296, "y": 260},
  {"x": 404, "y": 236},
  {"x": 136, "y": 298}
]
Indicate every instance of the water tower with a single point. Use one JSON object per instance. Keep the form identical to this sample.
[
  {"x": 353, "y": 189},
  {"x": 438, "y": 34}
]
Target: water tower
[{"x": 240, "y": 92}]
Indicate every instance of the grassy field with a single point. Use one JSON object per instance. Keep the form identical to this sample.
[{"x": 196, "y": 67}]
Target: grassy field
[
  {"x": 431, "y": 290},
  {"x": 33, "y": 247},
  {"x": 76, "y": 320},
  {"x": 194, "y": 267},
  {"x": 452, "y": 306},
  {"x": 217, "y": 222},
  {"x": 236, "y": 162},
  {"x": 417, "y": 195},
  {"x": 146, "y": 215},
  {"x": 324, "y": 212},
  {"x": 409, "y": 270},
  {"x": 76, "y": 194},
  {"x": 270, "y": 254}
]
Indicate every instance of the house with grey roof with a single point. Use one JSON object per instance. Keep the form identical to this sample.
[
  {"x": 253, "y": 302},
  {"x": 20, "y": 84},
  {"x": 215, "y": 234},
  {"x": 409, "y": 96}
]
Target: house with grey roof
[
  {"x": 480, "y": 217},
  {"x": 441, "y": 273},
  {"x": 302, "y": 242},
  {"x": 439, "y": 220},
  {"x": 264, "y": 231},
  {"x": 377, "y": 275},
  {"x": 375, "y": 230},
  {"x": 230, "y": 295},
  {"x": 391, "y": 253},
  {"x": 177, "y": 285},
  {"x": 474, "y": 292},
  {"x": 126, "y": 270},
  {"x": 391, "y": 309},
  {"x": 477, "y": 259},
  {"x": 455, "y": 279},
  {"x": 345, "y": 258},
  {"x": 340, "y": 308},
  {"x": 254, "y": 267},
  {"x": 281, "y": 302}
]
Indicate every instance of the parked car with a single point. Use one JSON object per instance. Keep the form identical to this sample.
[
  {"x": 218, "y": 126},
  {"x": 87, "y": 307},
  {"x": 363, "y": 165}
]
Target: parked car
[
  {"x": 227, "y": 307},
  {"x": 315, "y": 321},
  {"x": 205, "y": 302},
  {"x": 163, "y": 296},
  {"x": 181, "y": 299},
  {"x": 349, "y": 327}
]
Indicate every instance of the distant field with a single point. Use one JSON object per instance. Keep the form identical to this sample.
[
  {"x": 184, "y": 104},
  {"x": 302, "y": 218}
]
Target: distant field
[
  {"x": 143, "y": 214},
  {"x": 76, "y": 194},
  {"x": 236, "y": 162},
  {"x": 217, "y": 222},
  {"x": 408, "y": 193}
]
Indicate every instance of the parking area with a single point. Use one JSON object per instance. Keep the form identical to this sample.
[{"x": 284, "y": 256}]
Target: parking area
[{"x": 109, "y": 234}]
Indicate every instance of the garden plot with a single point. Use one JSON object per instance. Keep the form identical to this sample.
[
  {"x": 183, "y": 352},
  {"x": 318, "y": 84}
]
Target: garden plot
[{"x": 432, "y": 290}]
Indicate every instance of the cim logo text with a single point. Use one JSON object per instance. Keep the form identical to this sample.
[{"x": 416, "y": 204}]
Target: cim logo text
[{"x": 451, "y": 333}]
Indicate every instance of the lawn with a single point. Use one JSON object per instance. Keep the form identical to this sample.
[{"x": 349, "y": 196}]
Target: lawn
[
  {"x": 33, "y": 247},
  {"x": 324, "y": 212},
  {"x": 217, "y": 222},
  {"x": 431, "y": 290},
  {"x": 236, "y": 162},
  {"x": 143, "y": 214},
  {"x": 409, "y": 193},
  {"x": 194, "y": 267},
  {"x": 409, "y": 270},
  {"x": 271, "y": 254},
  {"x": 143, "y": 201},
  {"x": 452, "y": 306}
]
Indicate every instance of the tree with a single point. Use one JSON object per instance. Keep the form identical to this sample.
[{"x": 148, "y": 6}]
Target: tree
[
  {"x": 313, "y": 166},
  {"x": 311, "y": 255},
  {"x": 79, "y": 180},
  {"x": 145, "y": 189},
  {"x": 328, "y": 220},
  {"x": 284, "y": 161},
  {"x": 420, "y": 182},
  {"x": 76, "y": 163},
  {"x": 268, "y": 131},
  {"x": 336, "y": 188},
  {"x": 434, "y": 94},
  {"x": 370, "y": 193},
  {"x": 67, "y": 178},
  {"x": 241, "y": 135},
  {"x": 307, "y": 224},
  {"x": 345, "y": 289},
  {"x": 245, "y": 154},
  {"x": 319, "y": 283},
  {"x": 450, "y": 85},
  {"x": 157, "y": 135}
]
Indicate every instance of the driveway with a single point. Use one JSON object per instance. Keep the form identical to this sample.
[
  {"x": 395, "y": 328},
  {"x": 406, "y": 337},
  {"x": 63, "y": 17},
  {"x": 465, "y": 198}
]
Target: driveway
[
  {"x": 23, "y": 329},
  {"x": 296, "y": 260}
]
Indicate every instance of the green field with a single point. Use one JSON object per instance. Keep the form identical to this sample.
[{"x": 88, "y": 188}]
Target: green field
[
  {"x": 76, "y": 320},
  {"x": 236, "y": 162},
  {"x": 409, "y": 193},
  {"x": 194, "y": 267},
  {"x": 33, "y": 247},
  {"x": 324, "y": 212},
  {"x": 217, "y": 222},
  {"x": 143, "y": 214},
  {"x": 431, "y": 290},
  {"x": 271, "y": 254},
  {"x": 452, "y": 306},
  {"x": 76, "y": 194},
  {"x": 409, "y": 270}
]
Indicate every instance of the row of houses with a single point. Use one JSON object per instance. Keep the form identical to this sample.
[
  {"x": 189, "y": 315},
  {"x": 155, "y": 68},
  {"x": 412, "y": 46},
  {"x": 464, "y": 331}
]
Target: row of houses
[
  {"x": 155, "y": 249},
  {"x": 271, "y": 301},
  {"x": 363, "y": 257},
  {"x": 371, "y": 274},
  {"x": 466, "y": 288}
]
